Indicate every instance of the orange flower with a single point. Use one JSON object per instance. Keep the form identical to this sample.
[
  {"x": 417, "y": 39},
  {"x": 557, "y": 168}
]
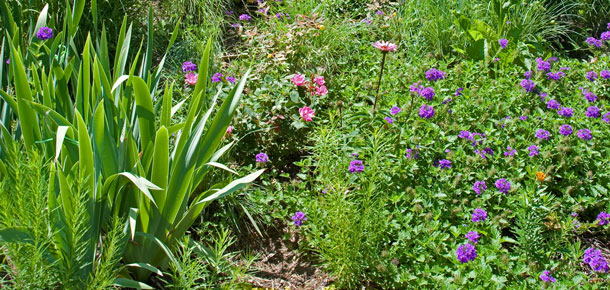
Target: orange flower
[{"x": 540, "y": 176}]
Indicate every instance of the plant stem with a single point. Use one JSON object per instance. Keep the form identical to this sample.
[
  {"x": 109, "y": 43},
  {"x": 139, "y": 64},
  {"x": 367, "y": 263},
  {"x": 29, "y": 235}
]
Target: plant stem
[{"x": 379, "y": 81}]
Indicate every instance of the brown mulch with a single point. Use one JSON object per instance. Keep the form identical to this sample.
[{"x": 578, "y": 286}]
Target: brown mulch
[{"x": 281, "y": 265}]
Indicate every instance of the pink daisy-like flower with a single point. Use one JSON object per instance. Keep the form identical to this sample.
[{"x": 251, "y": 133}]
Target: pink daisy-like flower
[
  {"x": 299, "y": 80},
  {"x": 306, "y": 113},
  {"x": 385, "y": 46},
  {"x": 190, "y": 78}
]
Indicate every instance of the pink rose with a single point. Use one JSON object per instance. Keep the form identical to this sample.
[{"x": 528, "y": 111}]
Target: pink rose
[
  {"x": 299, "y": 80},
  {"x": 306, "y": 113}
]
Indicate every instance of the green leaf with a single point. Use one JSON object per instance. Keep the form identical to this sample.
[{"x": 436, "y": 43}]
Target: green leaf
[
  {"x": 144, "y": 110},
  {"x": 123, "y": 282},
  {"x": 133, "y": 217},
  {"x": 27, "y": 118},
  {"x": 165, "y": 249},
  {"x": 15, "y": 235},
  {"x": 146, "y": 266},
  {"x": 142, "y": 184},
  {"x": 59, "y": 140},
  {"x": 233, "y": 186}
]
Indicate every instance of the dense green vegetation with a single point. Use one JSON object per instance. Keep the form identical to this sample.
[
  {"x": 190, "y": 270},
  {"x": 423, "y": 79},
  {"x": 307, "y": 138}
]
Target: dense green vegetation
[{"x": 390, "y": 144}]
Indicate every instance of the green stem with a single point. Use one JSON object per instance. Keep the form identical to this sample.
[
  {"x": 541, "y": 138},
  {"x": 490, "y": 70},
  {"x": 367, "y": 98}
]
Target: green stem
[{"x": 379, "y": 81}]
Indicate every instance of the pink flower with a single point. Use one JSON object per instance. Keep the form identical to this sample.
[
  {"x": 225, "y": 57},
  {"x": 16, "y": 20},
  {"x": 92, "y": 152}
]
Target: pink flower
[
  {"x": 385, "y": 46},
  {"x": 299, "y": 80},
  {"x": 319, "y": 81},
  {"x": 190, "y": 78},
  {"x": 321, "y": 91},
  {"x": 229, "y": 129},
  {"x": 306, "y": 113}
]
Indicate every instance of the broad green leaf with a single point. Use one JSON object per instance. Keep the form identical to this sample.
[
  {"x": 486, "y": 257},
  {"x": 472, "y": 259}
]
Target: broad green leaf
[
  {"x": 59, "y": 140},
  {"x": 85, "y": 153},
  {"x": 144, "y": 110},
  {"x": 123, "y": 282},
  {"x": 27, "y": 118},
  {"x": 133, "y": 217},
  {"x": 142, "y": 184},
  {"x": 15, "y": 235},
  {"x": 146, "y": 266}
]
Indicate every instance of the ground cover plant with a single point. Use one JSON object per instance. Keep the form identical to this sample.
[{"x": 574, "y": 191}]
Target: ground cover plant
[{"x": 304, "y": 144}]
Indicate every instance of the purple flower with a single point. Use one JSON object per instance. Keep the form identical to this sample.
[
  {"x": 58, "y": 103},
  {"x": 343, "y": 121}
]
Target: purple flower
[
  {"x": 533, "y": 150},
  {"x": 594, "y": 258},
  {"x": 593, "y": 112},
  {"x": 444, "y": 164},
  {"x": 511, "y": 152},
  {"x": 447, "y": 101},
  {"x": 459, "y": 91},
  {"x": 389, "y": 120},
  {"x": 231, "y": 79},
  {"x": 217, "y": 77},
  {"x": 188, "y": 66},
  {"x": 229, "y": 12},
  {"x": 427, "y": 93},
  {"x": 574, "y": 214},
  {"x": 479, "y": 215},
  {"x": 262, "y": 157},
  {"x": 606, "y": 117},
  {"x": 605, "y": 74},
  {"x": 603, "y": 217},
  {"x": 412, "y": 154},
  {"x": 466, "y": 135},
  {"x": 565, "y": 130},
  {"x": 555, "y": 75},
  {"x": 594, "y": 42},
  {"x": 366, "y": 20},
  {"x": 434, "y": 75},
  {"x": 479, "y": 187},
  {"x": 503, "y": 42},
  {"x": 472, "y": 237},
  {"x": 379, "y": 12},
  {"x": 584, "y": 134},
  {"x": 355, "y": 155},
  {"x": 356, "y": 166},
  {"x": 44, "y": 33},
  {"x": 503, "y": 185},
  {"x": 591, "y": 76},
  {"x": 543, "y": 134},
  {"x": 590, "y": 96},
  {"x": 566, "y": 112},
  {"x": 605, "y": 36},
  {"x": 298, "y": 218},
  {"x": 542, "y": 65},
  {"x": 466, "y": 253},
  {"x": 546, "y": 277},
  {"x": 395, "y": 110},
  {"x": 528, "y": 74},
  {"x": 523, "y": 118},
  {"x": 553, "y": 104},
  {"x": 245, "y": 17},
  {"x": 426, "y": 111},
  {"x": 8, "y": 61},
  {"x": 528, "y": 85}
]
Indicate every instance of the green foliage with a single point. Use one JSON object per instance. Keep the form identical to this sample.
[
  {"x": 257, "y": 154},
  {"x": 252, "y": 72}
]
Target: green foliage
[
  {"x": 45, "y": 247},
  {"x": 103, "y": 120}
]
